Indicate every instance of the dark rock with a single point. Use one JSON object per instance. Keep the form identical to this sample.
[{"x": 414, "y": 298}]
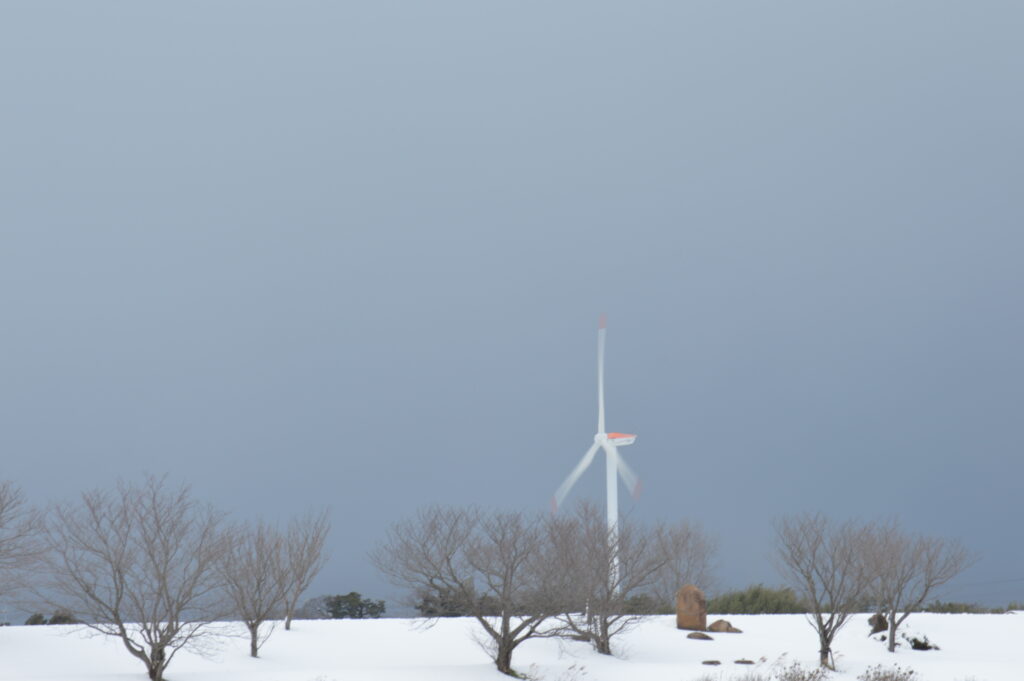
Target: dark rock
[
  {"x": 743, "y": 661},
  {"x": 878, "y": 623},
  {"x": 699, "y": 636},
  {"x": 713, "y": 663}
]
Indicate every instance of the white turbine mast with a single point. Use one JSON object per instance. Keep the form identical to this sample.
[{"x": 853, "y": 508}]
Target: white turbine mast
[{"x": 615, "y": 464}]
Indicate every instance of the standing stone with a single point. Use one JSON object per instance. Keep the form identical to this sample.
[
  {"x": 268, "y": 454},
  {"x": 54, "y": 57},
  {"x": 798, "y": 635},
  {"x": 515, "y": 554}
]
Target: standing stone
[{"x": 691, "y": 609}]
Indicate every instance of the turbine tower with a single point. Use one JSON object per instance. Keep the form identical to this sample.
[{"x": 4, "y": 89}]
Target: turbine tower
[{"x": 615, "y": 464}]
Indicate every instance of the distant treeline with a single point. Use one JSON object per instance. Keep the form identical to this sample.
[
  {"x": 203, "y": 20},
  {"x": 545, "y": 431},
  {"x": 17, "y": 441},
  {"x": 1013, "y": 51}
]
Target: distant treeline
[{"x": 759, "y": 599}]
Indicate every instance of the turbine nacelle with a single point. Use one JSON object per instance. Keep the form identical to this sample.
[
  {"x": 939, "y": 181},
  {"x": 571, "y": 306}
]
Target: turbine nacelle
[{"x": 621, "y": 439}]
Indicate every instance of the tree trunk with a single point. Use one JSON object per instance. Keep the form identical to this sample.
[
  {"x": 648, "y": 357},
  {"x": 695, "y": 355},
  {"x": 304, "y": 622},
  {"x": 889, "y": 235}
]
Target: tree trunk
[
  {"x": 892, "y": 632},
  {"x": 254, "y": 639},
  {"x": 602, "y": 642},
  {"x": 503, "y": 659},
  {"x": 157, "y": 663},
  {"x": 288, "y": 620},
  {"x": 825, "y": 653}
]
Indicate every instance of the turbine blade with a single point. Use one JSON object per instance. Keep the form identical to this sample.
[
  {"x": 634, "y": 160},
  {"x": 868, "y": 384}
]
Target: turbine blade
[
  {"x": 564, "y": 488},
  {"x": 629, "y": 478},
  {"x": 601, "y": 330}
]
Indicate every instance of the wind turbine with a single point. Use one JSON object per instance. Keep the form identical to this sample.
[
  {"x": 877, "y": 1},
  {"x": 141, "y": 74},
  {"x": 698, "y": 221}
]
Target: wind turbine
[{"x": 615, "y": 464}]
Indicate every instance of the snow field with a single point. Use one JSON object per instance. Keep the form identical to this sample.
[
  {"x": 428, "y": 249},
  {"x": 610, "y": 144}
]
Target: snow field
[{"x": 973, "y": 647}]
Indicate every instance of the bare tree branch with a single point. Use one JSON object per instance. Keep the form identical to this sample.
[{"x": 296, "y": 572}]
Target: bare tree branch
[
  {"x": 20, "y": 529},
  {"x": 690, "y": 555},
  {"x": 138, "y": 564},
  {"x": 494, "y": 566}
]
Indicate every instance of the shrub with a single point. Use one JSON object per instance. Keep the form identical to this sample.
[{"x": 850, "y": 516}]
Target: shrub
[
  {"x": 755, "y": 600},
  {"x": 645, "y": 604},
  {"x": 954, "y": 608},
  {"x": 63, "y": 617},
  {"x": 880, "y": 673},
  {"x": 795, "y": 672},
  {"x": 349, "y": 606},
  {"x": 59, "y": 617}
]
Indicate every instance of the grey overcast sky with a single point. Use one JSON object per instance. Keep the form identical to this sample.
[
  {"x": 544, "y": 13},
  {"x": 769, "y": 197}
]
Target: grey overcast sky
[{"x": 353, "y": 255}]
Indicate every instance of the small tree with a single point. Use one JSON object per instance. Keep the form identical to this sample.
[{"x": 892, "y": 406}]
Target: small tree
[
  {"x": 825, "y": 566},
  {"x": 138, "y": 564},
  {"x": 596, "y": 608},
  {"x": 304, "y": 550},
  {"x": 481, "y": 561},
  {"x": 254, "y": 573},
  {"x": 907, "y": 569}
]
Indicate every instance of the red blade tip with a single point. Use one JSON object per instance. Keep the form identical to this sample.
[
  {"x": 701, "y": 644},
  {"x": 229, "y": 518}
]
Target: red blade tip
[{"x": 602, "y": 322}]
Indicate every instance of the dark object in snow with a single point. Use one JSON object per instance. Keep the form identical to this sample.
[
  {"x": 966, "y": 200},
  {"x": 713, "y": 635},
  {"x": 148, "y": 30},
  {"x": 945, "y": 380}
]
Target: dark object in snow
[
  {"x": 713, "y": 663},
  {"x": 742, "y": 661},
  {"x": 878, "y": 623},
  {"x": 723, "y": 627},
  {"x": 699, "y": 636},
  {"x": 691, "y": 609},
  {"x": 920, "y": 643}
]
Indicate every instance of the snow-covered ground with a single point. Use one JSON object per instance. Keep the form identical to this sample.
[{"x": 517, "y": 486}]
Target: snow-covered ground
[{"x": 978, "y": 647}]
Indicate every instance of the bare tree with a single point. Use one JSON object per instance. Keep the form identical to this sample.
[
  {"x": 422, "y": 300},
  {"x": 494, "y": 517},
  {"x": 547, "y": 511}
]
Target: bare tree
[
  {"x": 600, "y": 602},
  {"x": 19, "y": 535},
  {"x": 255, "y": 576},
  {"x": 494, "y": 565},
  {"x": 304, "y": 550},
  {"x": 138, "y": 564},
  {"x": 907, "y": 569},
  {"x": 825, "y": 565}
]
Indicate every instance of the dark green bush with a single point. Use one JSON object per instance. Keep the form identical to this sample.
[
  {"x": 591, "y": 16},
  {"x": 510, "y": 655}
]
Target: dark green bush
[
  {"x": 756, "y": 600},
  {"x": 338, "y": 606}
]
